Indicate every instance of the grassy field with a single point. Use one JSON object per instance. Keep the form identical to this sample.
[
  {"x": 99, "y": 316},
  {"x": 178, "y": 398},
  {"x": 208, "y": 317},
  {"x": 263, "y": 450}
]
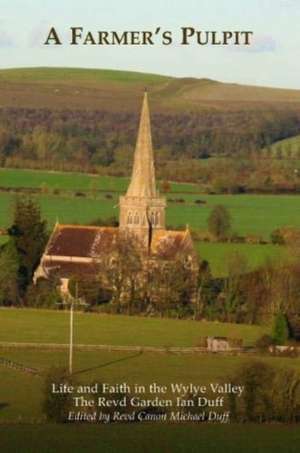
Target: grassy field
[
  {"x": 73, "y": 75},
  {"x": 29, "y": 325},
  {"x": 21, "y": 394},
  {"x": 149, "y": 438},
  {"x": 218, "y": 254},
  {"x": 15, "y": 178},
  {"x": 91, "y": 88},
  {"x": 251, "y": 214}
]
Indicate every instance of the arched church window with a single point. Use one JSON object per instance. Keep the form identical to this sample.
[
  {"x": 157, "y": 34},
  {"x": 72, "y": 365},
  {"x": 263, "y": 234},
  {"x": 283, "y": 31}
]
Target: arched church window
[
  {"x": 129, "y": 218},
  {"x": 136, "y": 219},
  {"x": 144, "y": 221}
]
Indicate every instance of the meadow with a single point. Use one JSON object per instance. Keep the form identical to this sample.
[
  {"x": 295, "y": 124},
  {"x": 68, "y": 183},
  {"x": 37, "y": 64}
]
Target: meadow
[
  {"x": 51, "y": 180},
  {"x": 41, "y": 326},
  {"x": 21, "y": 394},
  {"x": 251, "y": 214},
  {"x": 219, "y": 254},
  {"x": 49, "y": 326}
]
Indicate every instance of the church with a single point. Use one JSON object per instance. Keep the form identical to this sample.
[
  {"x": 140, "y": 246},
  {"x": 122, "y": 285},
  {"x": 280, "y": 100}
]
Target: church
[{"x": 75, "y": 250}]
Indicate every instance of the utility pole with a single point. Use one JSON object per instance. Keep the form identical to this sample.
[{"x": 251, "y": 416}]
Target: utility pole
[
  {"x": 71, "y": 301},
  {"x": 71, "y": 338}
]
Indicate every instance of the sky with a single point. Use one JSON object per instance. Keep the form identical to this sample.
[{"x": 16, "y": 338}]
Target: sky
[{"x": 272, "y": 60}]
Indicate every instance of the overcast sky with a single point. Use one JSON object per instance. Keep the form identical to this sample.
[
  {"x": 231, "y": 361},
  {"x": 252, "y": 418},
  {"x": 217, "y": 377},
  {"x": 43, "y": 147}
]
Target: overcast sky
[{"x": 273, "y": 59}]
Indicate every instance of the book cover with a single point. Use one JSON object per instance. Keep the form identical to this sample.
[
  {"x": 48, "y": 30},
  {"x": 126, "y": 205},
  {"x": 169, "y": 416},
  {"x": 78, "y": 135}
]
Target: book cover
[{"x": 149, "y": 226}]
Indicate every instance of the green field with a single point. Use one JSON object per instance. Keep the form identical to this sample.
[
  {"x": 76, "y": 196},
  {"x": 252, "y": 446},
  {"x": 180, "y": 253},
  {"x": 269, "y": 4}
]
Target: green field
[
  {"x": 71, "y": 75},
  {"x": 251, "y": 214},
  {"x": 30, "y": 325},
  {"x": 15, "y": 178},
  {"x": 27, "y": 325},
  {"x": 21, "y": 394},
  {"x": 218, "y": 254}
]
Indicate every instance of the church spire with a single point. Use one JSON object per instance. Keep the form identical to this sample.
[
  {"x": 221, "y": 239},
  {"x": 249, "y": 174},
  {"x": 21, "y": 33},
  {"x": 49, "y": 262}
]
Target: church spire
[
  {"x": 142, "y": 211},
  {"x": 142, "y": 182}
]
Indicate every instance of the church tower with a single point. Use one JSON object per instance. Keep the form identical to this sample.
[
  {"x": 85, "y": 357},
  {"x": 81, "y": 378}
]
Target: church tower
[{"x": 142, "y": 210}]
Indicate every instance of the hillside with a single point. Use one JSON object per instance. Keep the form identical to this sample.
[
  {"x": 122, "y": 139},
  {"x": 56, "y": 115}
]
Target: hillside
[
  {"x": 86, "y": 120},
  {"x": 287, "y": 148},
  {"x": 92, "y": 89}
]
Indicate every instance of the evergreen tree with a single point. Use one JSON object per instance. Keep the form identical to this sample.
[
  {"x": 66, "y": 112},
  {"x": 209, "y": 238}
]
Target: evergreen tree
[{"x": 28, "y": 234}]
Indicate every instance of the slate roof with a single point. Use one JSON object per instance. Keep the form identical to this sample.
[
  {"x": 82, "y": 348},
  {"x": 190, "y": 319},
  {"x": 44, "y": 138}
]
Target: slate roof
[
  {"x": 82, "y": 245},
  {"x": 81, "y": 241},
  {"x": 64, "y": 269}
]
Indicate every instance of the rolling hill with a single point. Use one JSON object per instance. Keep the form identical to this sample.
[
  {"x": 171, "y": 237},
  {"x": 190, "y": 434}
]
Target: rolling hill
[
  {"x": 92, "y": 89},
  {"x": 288, "y": 148}
]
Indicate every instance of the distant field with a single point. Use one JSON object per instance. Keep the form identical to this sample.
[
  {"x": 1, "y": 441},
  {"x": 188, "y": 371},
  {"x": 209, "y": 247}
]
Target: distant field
[
  {"x": 14, "y": 178},
  {"x": 46, "y": 326},
  {"x": 217, "y": 255},
  {"x": 74, "y": 75},
  {"x": 251, "y": 214},
  {"x": 148, "y": 438},
  {"x": 90, "y": 89}
]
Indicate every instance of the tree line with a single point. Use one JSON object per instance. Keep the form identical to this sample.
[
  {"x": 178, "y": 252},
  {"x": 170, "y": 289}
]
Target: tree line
[{"x": 102, "y": 138}]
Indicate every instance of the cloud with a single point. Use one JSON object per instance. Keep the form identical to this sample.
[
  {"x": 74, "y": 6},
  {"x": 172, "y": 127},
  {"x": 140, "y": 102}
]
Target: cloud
[
  {"x": 259, "y": 44},
  {"x": 38, "y": 34},
  {"x": 263, "y": 43},
  {"x": 5, "y": 39}
]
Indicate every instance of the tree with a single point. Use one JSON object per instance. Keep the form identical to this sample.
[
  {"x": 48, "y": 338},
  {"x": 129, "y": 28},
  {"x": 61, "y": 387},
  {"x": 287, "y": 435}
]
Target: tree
[
  {"x": 90, "y": 290},
  {"x": 280, "y": 329},
  {"x": 9, "y": 265},
  {"x": 56, "y": 406},
  {"x": 270, "y": 394},
  {"x": 169, "y": 286},
  {"x": 28, "y": 234},
  {"x": 120, "y": 272},
  {"x": 44, "y": 293},
  {"x": 219, "y": 222},
  {"x": 234, "y": 299}
]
